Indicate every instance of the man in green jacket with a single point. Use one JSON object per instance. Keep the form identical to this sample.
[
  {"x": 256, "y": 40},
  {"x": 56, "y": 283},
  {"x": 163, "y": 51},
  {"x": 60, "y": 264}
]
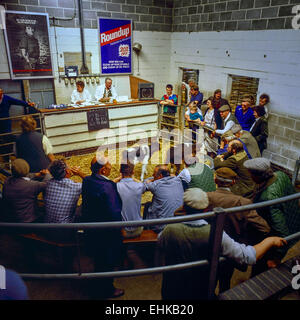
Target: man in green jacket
[
  {"x": 283, "y": 218},
  {"x": 234, "y": 159}
]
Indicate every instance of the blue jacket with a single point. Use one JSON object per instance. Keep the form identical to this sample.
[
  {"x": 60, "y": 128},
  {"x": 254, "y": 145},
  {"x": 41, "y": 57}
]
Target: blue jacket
[
  {"x": 7, "y": 101},
  {"x": 246, "y": 120},
  {"x": 198, "y": 97},
  {"x": 101, "y": 201}
]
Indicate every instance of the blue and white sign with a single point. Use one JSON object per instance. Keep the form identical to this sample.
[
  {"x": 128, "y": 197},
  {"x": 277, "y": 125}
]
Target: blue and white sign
[{"x": 115, "y": 46}]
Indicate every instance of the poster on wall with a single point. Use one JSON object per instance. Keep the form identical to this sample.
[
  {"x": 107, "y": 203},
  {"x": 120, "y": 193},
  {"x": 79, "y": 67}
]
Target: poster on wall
[
  {"x": 28, "y": 45},
  {"x": 115, "y": 37}
]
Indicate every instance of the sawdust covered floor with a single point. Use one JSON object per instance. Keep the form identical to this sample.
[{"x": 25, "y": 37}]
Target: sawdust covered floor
[{"x": 114, "y": 156}]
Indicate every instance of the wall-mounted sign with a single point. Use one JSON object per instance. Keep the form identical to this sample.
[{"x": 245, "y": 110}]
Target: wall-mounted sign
[
  {"x": 97, "y": 119},
  {"x": 28, "y": 45},
  {"x": 71, "y": 71},
  {"x": 115, "y": 40}
]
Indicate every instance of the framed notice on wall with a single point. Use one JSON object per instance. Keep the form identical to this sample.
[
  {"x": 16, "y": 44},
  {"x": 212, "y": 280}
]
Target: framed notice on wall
[
  {"x": 115, "y": 41},
  {"x": 28, "y": 45}
]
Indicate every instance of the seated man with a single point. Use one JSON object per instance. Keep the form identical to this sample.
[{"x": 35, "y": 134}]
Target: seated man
[
  {"x": 283, "y": 218},
  {"x": 244, "y": 114},
  {"x": 244, "y": 227},
  {"x": 189, "y": 241},
  {"x": 169, "y": 102},
  {"x": 228, "y": 120},
  {"x": 80, "y": 94},
  {"x": 167, "y": 195},
  {"x": 234, "y": 159},
  {"x": 101, "y": 202},
  {"x": 106, "y": 92},
  {"x": 20, "y": 193},
  {"x": 130, "y": 191},
  {"x": 62, "y": 193},
  {"x": 201, "y": 176},
  {"x": 246, "y": 138}
]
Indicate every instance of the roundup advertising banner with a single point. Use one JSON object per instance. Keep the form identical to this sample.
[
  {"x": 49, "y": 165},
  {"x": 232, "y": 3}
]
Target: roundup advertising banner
[{"x": 115, "y": 46}]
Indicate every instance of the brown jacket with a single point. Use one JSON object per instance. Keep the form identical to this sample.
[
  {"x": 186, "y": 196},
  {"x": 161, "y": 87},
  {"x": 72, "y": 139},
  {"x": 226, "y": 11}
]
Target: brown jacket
[
  {"x": 244, "y": 185},
  {"x": 245, "y": 226}
]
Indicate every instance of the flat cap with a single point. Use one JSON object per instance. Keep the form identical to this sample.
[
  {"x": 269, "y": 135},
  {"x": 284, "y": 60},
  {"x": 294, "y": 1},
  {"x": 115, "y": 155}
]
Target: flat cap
[
  {"x": 227, "y": 134},
  {"x": 20, "y": 168},
  {"x": 258, "y": 164},
  {"x": 236, "y": 128},
  {"x": 195, "y": 198},
  {"x": 226, "y": 173},
  {"x": 224, "y": 108}
]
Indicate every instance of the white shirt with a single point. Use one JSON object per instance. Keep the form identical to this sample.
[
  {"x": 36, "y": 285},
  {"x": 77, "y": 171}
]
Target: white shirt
[
  {"x": 100, "y": 90},
  {"x": 239, "y": 252},
  {"x": 78, "y": 96},
  {"x": 228, "y": 126}
]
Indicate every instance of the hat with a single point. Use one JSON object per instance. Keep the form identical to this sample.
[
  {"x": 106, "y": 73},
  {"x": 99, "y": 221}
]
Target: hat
[
  {"x": 225, "y": 173},
  {"x": 258, "y": 164},
  {"x": 20, "y": 168},
  {"x": 236, "y": 128},
  {"x": 195, "y": 198},
  {"x": 227, "y": 134},
  {"x": 224, "y": 108}
]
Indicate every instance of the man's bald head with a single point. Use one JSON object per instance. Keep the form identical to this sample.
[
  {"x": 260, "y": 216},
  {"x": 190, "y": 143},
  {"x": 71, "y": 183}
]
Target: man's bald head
[{"x": 100, "y": 165}]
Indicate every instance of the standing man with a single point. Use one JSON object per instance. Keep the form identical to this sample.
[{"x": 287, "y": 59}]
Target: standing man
[
  {"x": 101, "y": 202},
  {"x": 264, "y": 101},
  {"x": 106, "y": 91},
  {"x": 30, "y": 49},
  {"x": 5, "y": 103},
  {"x": 5, "y": 125},
  {"x": 228, "y": 120},
  {"x": 169, "y": 102},
  {"x": 217, "y": 103},
  {"x": 244, "y": 114},
  {"x": 188, "y": 86}
]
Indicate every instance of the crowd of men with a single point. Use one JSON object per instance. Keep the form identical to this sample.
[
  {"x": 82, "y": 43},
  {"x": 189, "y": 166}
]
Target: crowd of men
[{"x": 240, "y": 176}]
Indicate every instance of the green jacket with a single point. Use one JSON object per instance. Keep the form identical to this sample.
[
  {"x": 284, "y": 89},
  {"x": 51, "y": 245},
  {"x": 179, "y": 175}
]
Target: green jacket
[
  {"x": 180, "y": 243},
  {"x": 201, "y": 177},
  {"x": 244, "y": 185},
  {"x": 283, "y": 218}
]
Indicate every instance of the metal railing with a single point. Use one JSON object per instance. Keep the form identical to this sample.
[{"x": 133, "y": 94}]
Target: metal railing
[{"x": 217, "y": 223}]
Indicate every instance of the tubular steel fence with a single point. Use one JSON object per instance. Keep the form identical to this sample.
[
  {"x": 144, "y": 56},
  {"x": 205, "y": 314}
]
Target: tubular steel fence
[{"x": 217, "y": 223}]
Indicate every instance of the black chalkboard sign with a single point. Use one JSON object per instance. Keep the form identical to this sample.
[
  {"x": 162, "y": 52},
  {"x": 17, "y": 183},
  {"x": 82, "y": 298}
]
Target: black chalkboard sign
[{"x": 97, "y": 119}]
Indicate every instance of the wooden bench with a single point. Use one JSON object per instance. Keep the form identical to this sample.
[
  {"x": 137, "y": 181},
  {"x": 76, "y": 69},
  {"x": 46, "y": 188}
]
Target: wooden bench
[
  {"x": 147, "y": 236},
  {"x": 65, "y": 257}
]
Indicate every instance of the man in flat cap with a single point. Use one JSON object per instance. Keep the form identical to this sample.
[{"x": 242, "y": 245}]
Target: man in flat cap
[
  {"x": 189, "y": 241},
  {"x": 244, "y": 226},
  {"x": 248, "y": 141},
  {"x": 283, "y": 218},
  {"x": 20, "y": 193},
  {"x": 228, "y": 120},
  {"x": 234, "y": 159}
]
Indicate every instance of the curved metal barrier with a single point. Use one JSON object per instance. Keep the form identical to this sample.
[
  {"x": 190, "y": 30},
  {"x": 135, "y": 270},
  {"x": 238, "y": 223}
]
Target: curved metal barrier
[{"x": 217, "y": 223}]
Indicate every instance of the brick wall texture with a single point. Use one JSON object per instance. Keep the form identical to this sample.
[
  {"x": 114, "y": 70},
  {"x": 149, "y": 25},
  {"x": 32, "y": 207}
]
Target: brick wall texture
[{"x": 168, "y": 15}]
